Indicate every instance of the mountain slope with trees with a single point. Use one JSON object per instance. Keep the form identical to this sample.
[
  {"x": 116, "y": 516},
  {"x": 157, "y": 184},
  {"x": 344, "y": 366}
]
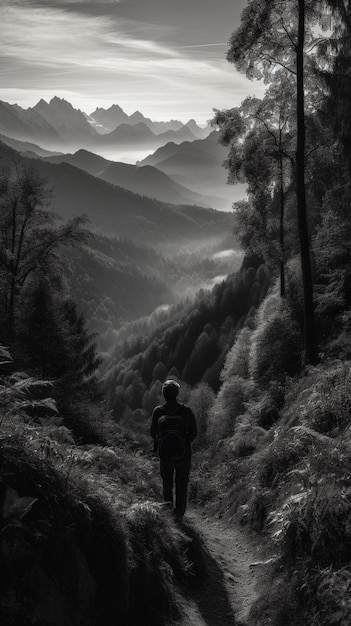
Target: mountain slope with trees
[
  {"x": 115, "y": 210},
  {"x": 145, "y": 181},
  {"x": 65, "y": 464}
]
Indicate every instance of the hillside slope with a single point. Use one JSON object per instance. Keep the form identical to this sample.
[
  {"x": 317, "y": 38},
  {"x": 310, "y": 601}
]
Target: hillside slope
[
  {"x": 146, "y": 181},
  {"x": 117, "y": 211},
  {"x": 199, "y": 166}
]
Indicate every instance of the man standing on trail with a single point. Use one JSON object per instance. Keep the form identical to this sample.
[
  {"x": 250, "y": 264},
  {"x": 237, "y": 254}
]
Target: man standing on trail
[{"x": 173, "y": 428}]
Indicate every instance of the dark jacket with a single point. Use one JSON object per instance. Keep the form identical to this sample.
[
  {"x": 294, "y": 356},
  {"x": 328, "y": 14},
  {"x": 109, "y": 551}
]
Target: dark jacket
[{"x": 172, "y": 408}]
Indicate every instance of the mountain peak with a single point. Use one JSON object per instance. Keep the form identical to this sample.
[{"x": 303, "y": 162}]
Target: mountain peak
[
  {"x": 137, "y": 116},
  {"x": 61, "y": 103}
]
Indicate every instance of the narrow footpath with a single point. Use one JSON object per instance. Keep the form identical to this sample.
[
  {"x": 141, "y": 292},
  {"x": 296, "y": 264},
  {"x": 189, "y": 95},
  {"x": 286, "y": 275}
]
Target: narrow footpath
[{"x": 235, "y": 566}]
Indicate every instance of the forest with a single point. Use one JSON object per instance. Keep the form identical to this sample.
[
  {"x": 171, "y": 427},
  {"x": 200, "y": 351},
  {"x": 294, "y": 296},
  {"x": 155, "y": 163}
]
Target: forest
[{"x": 263, "y": 359}]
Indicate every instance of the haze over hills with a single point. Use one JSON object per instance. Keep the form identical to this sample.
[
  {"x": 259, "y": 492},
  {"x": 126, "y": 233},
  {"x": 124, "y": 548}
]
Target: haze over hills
[
  {"x": 57, "y": 125},
  {"x": 115, "y": 210},
  {"x": 27, "y": 148},
  {"x": 138, "y": 242},
  {"x": 198, "y": 165},
  {"x": 193, "y": 166},
  {"x": 146, "y": 180},
  {"x": 139, "y": 136}
]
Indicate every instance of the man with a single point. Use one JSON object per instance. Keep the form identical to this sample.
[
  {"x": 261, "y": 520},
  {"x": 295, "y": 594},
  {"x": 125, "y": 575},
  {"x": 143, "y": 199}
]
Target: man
[{"x": 173, "y": 428}]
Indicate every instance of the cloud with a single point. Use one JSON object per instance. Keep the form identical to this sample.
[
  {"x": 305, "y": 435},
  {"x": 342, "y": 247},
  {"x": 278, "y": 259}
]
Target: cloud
[{"x": 97, "y": 59}]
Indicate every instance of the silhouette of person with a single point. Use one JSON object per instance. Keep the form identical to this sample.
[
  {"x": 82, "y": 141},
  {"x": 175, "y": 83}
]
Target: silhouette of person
[{"x": 173, "y": 428}]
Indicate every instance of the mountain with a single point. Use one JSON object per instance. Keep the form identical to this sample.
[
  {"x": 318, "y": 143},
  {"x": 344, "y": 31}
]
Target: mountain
[
  {"x": 197, "y": 131},
  {"x": 151, "y": 182},
  {"x": 117, "y": 211},
  {"x": 177, "y": 136},
  {"x": 87, "y": 161},
  {"x": 69, "y": 123},
  {"x": 108, "y": 119},
  {"x": 198, "y": 165},
  {"x": 146, "y": 181},
  {"x": 26, "y": 148},
  {"x": 114, "y": 279},
  {"x": 158, "y": 127},
  {"x": 139, "y": 136},
  {"x": 126, "y": 135},
  {"x": 18, "y": 123},
  {"x": 55, "y": 125}
]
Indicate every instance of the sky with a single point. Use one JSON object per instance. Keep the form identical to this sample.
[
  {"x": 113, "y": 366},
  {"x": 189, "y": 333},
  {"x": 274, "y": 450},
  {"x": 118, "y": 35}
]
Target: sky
[{"x": 165, "y": 58}]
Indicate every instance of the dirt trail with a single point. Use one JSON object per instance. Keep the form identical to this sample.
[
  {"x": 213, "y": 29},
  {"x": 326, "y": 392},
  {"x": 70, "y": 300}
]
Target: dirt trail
[{"x": 234, "y": 563}]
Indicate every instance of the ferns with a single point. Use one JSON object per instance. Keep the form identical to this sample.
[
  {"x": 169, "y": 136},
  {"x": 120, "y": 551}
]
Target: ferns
[{"x": 19, "y": 393}]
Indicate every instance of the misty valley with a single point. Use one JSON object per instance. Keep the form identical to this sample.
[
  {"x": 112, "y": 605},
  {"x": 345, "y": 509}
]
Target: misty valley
[{"x": 156, "y": 238}]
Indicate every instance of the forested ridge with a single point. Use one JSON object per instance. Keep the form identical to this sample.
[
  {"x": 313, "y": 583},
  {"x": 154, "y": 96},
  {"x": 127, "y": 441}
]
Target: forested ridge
[{"x": 263, "y": 359}]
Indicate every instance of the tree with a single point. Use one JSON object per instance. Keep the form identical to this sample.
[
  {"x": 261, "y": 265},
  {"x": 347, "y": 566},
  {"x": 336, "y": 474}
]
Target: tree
[
  {"x": 273, "y": 34},
  {"x": 339, "y": 78},
  {"x": 29, "y": 236},
  {"x": 55, "y": 340},
  {"x": 82, "y": 358},
  {"x": 261, "y": 136}
]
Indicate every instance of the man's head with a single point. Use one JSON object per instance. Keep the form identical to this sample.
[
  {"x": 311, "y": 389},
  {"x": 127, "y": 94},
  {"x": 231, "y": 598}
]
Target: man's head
[{"x": 170, "y": 390}]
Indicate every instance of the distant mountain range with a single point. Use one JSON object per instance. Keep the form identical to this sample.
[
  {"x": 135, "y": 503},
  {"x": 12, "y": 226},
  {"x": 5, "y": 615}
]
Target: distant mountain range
[
  {"x": 140, "y": 136},
  {"x": 107, "y": 120},
  {"x": 27, "y": 148},
  {"x": 198, "y": 165},
  {"x": 189, "y": 159},
  {"x": 146, "y": 180},
  {"x": 59, "y": 126},
  {"x": 117, "y": 211}
]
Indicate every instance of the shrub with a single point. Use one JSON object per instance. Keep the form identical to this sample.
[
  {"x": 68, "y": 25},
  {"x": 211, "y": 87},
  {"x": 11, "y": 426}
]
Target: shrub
[
  {"x": 313, "y": 523},
  {"x": 201, "y": 399},
  {"x": 265, "y": 410},
  {"x": 276, "y": 342},
  {"x": 236, "y": 362},
  {"x": 327, "y": 406},
  {"x": 229, "y": 404}
]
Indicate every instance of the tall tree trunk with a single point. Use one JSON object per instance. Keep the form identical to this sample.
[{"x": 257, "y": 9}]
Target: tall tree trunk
[
  {"x": 309, "y": 329},
  {"x": 11, "y": 310},
  {"x": 281, "y": 233}
]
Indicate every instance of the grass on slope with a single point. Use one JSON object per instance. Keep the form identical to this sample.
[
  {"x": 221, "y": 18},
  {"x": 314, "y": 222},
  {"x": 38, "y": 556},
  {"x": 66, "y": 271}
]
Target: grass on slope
[{"x": 83, "y": 537}]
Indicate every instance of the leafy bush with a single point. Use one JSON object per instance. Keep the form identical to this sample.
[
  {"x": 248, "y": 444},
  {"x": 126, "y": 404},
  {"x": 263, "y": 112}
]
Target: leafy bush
[
  {"x": 201, "y": 400},
  {"x": 276, "y": 343},
  {"x": 236, "y": 362},
  {"x": 229, "y": 404},
  {"x": 265, "y": 410},
  {"x": 327, "y": 406}
]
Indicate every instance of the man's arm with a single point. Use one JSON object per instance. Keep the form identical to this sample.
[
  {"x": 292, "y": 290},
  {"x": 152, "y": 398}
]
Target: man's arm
[{"x": 154, "y": 420}]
